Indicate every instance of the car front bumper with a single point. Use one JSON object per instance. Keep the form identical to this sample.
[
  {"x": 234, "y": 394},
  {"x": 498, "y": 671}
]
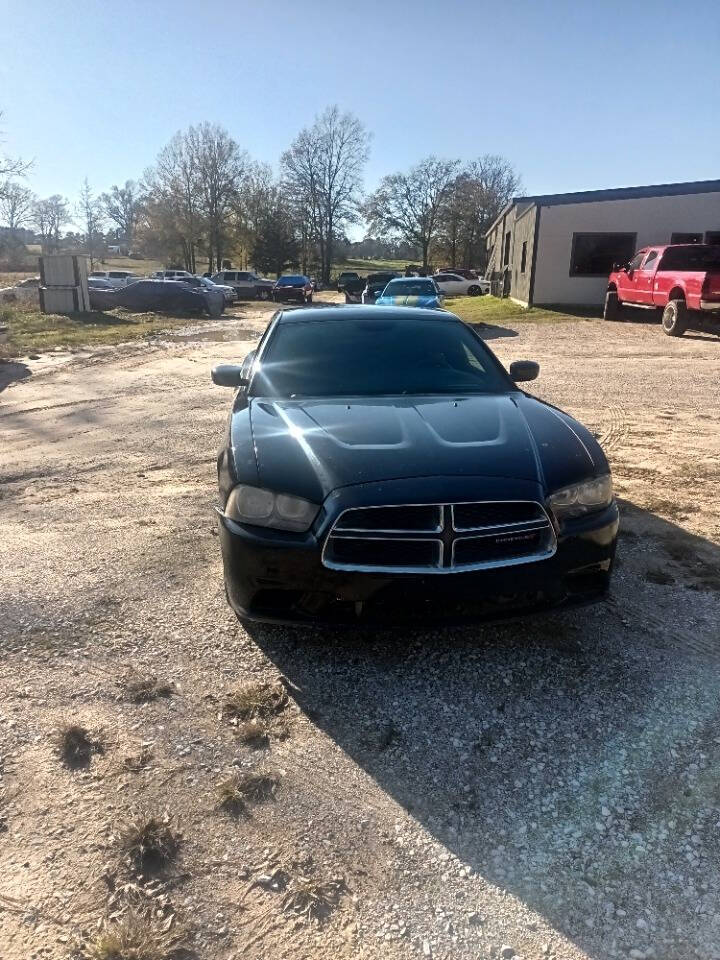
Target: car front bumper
[
  {"x": 287, "y": 295},
  {"x": 710, "y": 305},
  {"x": 277, "y": 577}
]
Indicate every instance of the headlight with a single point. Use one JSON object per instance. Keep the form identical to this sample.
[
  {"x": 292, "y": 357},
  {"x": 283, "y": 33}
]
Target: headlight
[
  {"x": 267, "y": 509},
  {"x": 582, "y": 498}
]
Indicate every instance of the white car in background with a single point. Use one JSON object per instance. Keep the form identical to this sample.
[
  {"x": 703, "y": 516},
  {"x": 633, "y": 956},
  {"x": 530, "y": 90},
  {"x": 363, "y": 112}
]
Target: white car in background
[
  {"x": 116, "y": 278},
  {"x": 27, "y": 289},
  {"x": 170, "y": 275},
  {"x": 453, "y": 285}
]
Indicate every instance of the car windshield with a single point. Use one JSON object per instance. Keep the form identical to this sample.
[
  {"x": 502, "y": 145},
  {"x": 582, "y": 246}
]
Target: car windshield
[
  {"x": 695, "y": 257},
  {"x": 290, "y": 281},
  {"x": 386, "y": 356},
  {"x": 410, "y": 288}
]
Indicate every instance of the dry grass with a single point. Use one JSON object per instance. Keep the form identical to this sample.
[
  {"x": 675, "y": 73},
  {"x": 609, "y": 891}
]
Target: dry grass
[
  {"x": 74, "y": 744},
  {"x": 141, "y": 689},
  {"x": 133, "y": 937},
  {"x": 240, "y": 787},
  {"x": 254, "y": 701},
  {"x": 136, "y": 757},
  {"x": 30, "y": 331},
  {"x": 253, "y": 733},
  {"x": 147, "y": 842},
  {"x": 313, "y": 899}
]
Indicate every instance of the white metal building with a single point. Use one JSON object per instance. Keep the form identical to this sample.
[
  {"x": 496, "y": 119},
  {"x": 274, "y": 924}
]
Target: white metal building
[{"x": 560, "y": 248}]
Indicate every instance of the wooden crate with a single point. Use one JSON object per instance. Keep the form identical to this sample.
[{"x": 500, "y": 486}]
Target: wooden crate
[
  {"x": 63, "y": 270},
  {"x": 64, "y": 299}
]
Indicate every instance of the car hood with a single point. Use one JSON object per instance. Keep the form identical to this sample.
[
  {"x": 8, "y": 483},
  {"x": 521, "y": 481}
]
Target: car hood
[{"x": 312, "y": 447}]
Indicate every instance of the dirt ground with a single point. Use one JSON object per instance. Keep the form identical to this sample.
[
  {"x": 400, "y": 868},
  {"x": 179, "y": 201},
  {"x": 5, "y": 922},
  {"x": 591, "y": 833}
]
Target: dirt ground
[{"x": 549, "y": 788}]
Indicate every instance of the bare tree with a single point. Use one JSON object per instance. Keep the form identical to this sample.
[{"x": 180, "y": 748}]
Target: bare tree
[
  {"x": 122, "y": 207},
  {"x": 192, "y": 194},
  {"x": 484, "y": 188},
  {"x": 89, "y": 210},
  {"x": 221, "y": 168},
  {"x": 16, "y": 204},
  {"x": 11, "y": 167},
  {"x": 172, "y": 220},
  {"x": 323, "y": 171},
  {"x": 409, "y": 205},
  {"x": 50, "y": 216}
]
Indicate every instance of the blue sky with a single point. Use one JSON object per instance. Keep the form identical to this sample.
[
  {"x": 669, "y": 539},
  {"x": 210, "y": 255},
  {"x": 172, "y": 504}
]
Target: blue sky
[{"x": 579, "y": 95}]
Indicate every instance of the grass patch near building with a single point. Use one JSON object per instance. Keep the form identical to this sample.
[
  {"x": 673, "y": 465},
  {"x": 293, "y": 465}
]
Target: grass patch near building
[{"x": 494, "y": 310}]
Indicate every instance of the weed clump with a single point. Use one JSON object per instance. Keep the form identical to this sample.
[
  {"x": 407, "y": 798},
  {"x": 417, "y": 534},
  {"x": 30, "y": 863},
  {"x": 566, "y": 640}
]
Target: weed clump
[
  {"x": 148, "y": 842},
  {"x": 254, "y": 701},
  {"x": 133, "y": 937}
]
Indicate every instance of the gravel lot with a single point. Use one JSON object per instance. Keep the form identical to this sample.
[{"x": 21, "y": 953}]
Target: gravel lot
[{"x": 549, "y": 788}]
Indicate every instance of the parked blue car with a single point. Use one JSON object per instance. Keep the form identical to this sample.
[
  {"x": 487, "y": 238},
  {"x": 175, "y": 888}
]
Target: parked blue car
[{"x": 411, "y": 292}]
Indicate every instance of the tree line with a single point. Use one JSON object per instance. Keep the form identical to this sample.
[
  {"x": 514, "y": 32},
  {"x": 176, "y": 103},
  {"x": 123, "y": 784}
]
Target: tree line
[{"x": 205, "y": 201}]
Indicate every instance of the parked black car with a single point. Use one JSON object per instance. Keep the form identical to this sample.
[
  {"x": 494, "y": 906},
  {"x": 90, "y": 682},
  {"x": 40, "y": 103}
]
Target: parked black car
[
  {"x": 293, "y": 287},
  {"x": 162, "y": 295},
  {"x": 345, "y": 277},
  {"x": 354, "y": 289},
  {"x": 380, "y": 464},
  {"x": 376, "y": 283}
]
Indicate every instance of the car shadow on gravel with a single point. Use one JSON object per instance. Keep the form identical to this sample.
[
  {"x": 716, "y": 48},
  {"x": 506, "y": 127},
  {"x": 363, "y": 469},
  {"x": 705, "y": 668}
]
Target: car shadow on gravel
[
  {"x": 12, "y": 372},
  {"x": 492, "y": 331},
  {"x": 573, "y": 761}
]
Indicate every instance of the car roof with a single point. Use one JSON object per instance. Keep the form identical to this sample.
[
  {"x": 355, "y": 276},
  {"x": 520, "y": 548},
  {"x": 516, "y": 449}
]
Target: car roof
[
  {"x": 411, "y": 279},
  {"x": 364, "y": 312}
]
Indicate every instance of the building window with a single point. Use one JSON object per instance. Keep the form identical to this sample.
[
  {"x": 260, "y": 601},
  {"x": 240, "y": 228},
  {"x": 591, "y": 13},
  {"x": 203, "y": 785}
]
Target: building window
[
  {"x": 523, "y": 257},
  {"x": 686, "y": 238},
  {"x": 506, "y": 255},
  {"x": 593, "y": 254}
]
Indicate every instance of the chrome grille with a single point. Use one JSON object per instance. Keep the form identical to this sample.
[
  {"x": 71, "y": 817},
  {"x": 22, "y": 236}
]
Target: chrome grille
[{"x": 439, "y": 537}]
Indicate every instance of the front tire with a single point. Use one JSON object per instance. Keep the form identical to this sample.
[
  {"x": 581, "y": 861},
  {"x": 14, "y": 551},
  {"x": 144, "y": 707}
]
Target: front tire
[
  {"x": 611, "y": 310},
  {"x": 675, "y": 318},
  {"x": 474, "y": 291}
]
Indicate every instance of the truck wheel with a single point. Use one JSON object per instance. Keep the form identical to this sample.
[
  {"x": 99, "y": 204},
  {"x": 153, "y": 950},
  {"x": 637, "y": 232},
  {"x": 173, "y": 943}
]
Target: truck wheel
[
  {"x": 611, "y": 309},
  {"x": 474, "y": 291},
  {"x": 675, "y": 318}
]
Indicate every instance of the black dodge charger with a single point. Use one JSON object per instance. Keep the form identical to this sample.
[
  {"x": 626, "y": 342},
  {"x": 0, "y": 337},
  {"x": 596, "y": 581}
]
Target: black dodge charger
[{"x": 380, "y": 465}]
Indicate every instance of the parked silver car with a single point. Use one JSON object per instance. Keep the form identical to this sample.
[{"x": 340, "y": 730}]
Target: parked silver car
[
  {"x": 228, "y": 292},
  {"x": 249, "y": 285}
]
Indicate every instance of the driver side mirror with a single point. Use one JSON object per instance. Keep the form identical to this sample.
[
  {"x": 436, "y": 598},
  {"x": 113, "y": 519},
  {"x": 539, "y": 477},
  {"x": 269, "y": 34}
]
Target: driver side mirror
[
  {"x": 523, "y": 370},
  {"x": 228, "y": 375}
]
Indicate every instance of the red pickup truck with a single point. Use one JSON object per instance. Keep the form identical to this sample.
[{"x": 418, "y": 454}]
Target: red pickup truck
[{"x": 680, "y": 280}]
